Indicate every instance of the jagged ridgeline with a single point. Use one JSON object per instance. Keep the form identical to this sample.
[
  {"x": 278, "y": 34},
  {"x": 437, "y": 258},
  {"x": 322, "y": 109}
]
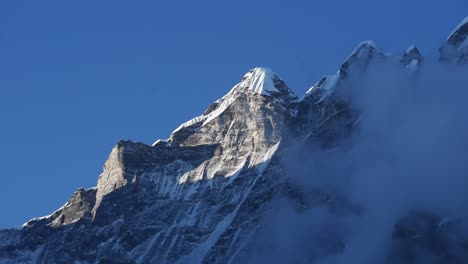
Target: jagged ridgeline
[{"x": 199, "y": 196}]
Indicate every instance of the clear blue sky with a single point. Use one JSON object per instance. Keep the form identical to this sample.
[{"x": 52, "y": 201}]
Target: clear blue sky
[{"x": 76, "y": 76}]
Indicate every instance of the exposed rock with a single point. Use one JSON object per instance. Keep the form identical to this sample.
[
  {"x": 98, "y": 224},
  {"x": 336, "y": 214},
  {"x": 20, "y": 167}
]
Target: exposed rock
[
  {"x": 412, "y": 58},
  {"x": 455, "y": 49},
  {"x": 199, "y": 196}
]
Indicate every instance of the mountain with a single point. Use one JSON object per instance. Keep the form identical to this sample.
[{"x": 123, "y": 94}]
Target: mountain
[
  {"x": 455, "y": 49},
  {"x": 205, "y": 195}
]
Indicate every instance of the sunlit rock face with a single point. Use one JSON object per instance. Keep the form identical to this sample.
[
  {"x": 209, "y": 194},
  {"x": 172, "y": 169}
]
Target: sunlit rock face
[
  {"x": 205, "y": 194},
  {"x": 182, "y": 198}
]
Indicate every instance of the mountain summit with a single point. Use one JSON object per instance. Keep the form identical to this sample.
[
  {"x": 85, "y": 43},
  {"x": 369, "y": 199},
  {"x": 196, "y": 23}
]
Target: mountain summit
[
  {"x": 264, "y": 81},
  {"x": 456, "y": 47},
  {"x": 208, "y": 192}
]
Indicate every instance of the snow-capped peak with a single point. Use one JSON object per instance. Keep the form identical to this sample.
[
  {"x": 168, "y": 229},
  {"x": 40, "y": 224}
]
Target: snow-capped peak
[
  {"x": 462, "y": 24},
  {"x": 327, "y": 85},
  {"x": 361, "y": 55},
  {"x": 455, "y": 49},
  {"x": 459, "y": 35},
  {"x": 264, "y": 81},
  {"x": 364, "y": 46},
  {"x": 412, "y": 58},
  {"x": 260, "y": 80},
  {"x": 365, "y": 51},
  {"x": 411, "y": 49}
]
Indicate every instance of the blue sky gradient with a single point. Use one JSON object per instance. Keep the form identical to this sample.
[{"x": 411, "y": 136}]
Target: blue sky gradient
[{"x": 76, "y": 76}]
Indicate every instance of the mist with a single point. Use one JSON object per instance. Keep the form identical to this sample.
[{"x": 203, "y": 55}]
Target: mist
[{"x": 408, "y": 153}]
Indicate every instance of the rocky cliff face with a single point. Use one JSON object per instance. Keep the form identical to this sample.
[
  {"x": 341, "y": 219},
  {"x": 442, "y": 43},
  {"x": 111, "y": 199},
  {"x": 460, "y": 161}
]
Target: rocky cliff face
[{"x": 199, "y": 196}]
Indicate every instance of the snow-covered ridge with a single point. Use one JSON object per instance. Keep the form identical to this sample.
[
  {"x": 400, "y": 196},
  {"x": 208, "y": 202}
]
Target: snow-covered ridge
[
  {"x": 412, "y": 58},
  {"x": 361, "y": 49},
  {"x": 328, "y": 83},
  {"x": 410, "y": 48},
  {"x": 260, "y": 80},
  {"x": 459, "y": 36},
  {"x": 58, "y": 211},
  {"x": 35, "y": 219},
  {"x": 264, "y": 81},
  {"x": 464, "y": 22},
  {"x": 455, "y": 48}
]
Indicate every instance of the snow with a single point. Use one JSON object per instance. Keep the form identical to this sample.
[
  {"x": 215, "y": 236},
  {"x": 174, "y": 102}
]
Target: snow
[
  {"x": 413, "y": 64},
  {"x": 230, "y": 125},
  {"x": 260, "y": 81},
  {"x": 52, "y": 214},
  {"x": 330, "y": 82},
  {"x": 369, "y": 43},
  {"x": 310, "y": 90},
  {"x": 321, "y": 124},
  {"x": 327, "y": 87},
  {"x": 106, "y": 243},
  {"x": 159, "y": 141},
  {"x": 443, "y": 222},
  {"x": 357, "y": 121},
  {"x": 199, "y": 253},
  {"x": 192, "y": 189},
  {"x": 44, "y": 217},
  {"x": 265, "y": 161},
  {"x": 293, "y": 112},
  {"x": 191, "y": 122},
  {"x": 359, "y": 50},
  {"x": 464, "y": 21},
  {"x": 233, "y": 175},
  {"x": 464, "y": 44},
  {"x": 243, "y": 245},
  {"x": 410, "y": 48},
  {"x": 117, "y": 224},
  {"x": 224, "y": 102},
  {"x": 190, "y": 220},
  {"x": 260, "y": 162},
  {"x": 147, "y": 246},
  {"x": 36, "y": 253}
]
